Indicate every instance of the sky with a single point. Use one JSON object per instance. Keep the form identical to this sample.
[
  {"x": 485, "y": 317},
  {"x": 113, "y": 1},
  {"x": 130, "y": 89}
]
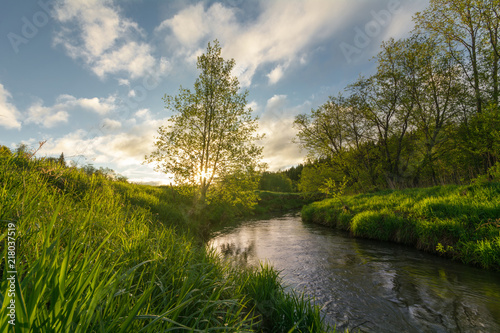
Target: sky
[{"x": 88, "y": 76}]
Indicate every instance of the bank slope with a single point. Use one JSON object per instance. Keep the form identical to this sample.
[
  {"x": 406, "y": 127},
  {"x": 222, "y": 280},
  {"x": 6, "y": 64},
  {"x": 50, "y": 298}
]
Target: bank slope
[{"x": 93, "y": 255}]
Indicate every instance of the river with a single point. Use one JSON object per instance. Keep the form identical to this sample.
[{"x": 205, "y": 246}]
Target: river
[{"x": 368, "y": 285}]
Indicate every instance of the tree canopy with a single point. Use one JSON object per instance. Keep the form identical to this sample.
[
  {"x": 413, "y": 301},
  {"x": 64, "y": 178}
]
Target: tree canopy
[
  {"x": 211, "y": 137},
  {"x": 429, "y": 115}
]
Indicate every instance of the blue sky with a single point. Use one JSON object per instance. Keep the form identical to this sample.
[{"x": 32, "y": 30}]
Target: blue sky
[{"x": 88, "y": 76}]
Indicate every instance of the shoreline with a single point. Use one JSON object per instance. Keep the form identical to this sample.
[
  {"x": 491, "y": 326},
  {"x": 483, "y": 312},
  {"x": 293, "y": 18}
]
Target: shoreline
[{"x": 458, "y": 222}]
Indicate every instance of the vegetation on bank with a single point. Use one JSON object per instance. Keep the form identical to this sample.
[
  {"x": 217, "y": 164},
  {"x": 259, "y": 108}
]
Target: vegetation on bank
[
  {"x": 280, "y": 202},
  {"x": 461, "y": 222},
  {"x": 96, "y": 255}
]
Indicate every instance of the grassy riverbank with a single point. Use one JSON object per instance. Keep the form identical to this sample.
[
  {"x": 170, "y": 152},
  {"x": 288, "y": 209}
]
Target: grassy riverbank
[
  {"x": 280, "y": 202},
  {"x": 95, "y": 255},
  {"x": 461, "y": 222}
]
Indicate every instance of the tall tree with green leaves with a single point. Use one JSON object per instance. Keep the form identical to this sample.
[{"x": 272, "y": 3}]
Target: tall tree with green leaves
[
  {"x": 432, "y": 84},
  {"x": 211, "y": 138},
  {"x": 471, "y": 30},
  {"x": 387, "y": 109},
  {"x": 323, "y": 133}
]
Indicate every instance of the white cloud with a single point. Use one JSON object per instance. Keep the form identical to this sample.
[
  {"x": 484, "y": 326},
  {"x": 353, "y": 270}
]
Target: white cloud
[
  {"x": 95, "y": 32},
  {"x": 280, "y": 34},
  {"x": 277, "y": 123},
  {"x": 113, "y": 144},
  {"x": 124, "y": 82},
  {"x": 111, "y": 124},
  {"x": 254, "y": 106},
  {"x": 193, "y": 24},
  {"x": 398, "y": 23},
  {"x": 143, "y": 113},
  {"x": 276, "y": 74},
  {"x": 50, "y": 116},
  {"x": 134, "y": 58},
  {"x": 9, "y": 115},
  {"x": 275, "y": 106},
  {"x": 279, "y": 151},
  {"x": 46, "y": 116},
  {"x": 100, "y": 106}
]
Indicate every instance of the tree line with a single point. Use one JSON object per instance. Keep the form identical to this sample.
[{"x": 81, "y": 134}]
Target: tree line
[{"x": 429, "y": 114}]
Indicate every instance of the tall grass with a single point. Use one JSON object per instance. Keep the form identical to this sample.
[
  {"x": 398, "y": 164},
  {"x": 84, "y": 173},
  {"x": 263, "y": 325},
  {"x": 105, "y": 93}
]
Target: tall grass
[
  {"x": 462, "y": 222},
  {"x": 93, "y": 255}
]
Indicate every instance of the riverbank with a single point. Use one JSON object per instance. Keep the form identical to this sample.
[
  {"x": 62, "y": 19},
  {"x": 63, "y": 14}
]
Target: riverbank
[
  {"x": 459, "y": 222},
  {"x": 271, "y": 203},
  {"x": 92, "y": 254}
]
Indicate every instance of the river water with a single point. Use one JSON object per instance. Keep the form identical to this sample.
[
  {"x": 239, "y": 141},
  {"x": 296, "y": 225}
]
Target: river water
[{"x": 367, "y": 285}]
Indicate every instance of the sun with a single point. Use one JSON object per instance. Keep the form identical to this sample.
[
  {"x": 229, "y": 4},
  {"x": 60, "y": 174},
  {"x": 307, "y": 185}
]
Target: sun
[{"x": 204, "y": 174}]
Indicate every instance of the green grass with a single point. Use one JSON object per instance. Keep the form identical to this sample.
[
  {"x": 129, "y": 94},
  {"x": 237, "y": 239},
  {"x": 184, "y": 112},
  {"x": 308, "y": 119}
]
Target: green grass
[
  {"x": 94, "y": 255},
  {"x": 461, "y": 222},
  {"x": 279, "y": 202}
]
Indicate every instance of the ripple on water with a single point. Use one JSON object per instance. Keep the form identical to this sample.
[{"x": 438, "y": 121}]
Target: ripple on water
[{"x": 368, "y": 285}]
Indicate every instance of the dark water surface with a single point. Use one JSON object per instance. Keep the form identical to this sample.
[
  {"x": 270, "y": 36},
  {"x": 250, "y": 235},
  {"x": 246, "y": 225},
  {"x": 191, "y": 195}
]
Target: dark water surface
[{"x": 368, "y": 285}]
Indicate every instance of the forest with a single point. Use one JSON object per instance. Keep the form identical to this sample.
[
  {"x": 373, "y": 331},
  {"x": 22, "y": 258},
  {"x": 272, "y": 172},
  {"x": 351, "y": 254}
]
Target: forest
[{"x": 429, "y": 115}]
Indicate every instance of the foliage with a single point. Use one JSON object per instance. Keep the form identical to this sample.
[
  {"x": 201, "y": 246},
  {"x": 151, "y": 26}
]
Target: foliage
[
  {"x": 314, "y": 177},
  {"x": 280, "y": 202},
  {"x": 333, "y": 189},
  {"x": 212, "y": 135},
  {"x": 275, "y": 181},
  {"x": 429, "y": 115},
  {"x": 96, "y": 255}
]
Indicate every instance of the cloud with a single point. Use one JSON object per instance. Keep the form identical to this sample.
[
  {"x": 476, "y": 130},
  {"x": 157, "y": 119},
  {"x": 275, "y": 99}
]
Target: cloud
[
  {"x": 50, "y": 116},
  {"x": 134, "y": 58},
  {"x": 279, "y": 151},
  {"x": 95, "y": 32},
  {"x": 398, "y": 25},
  {"x": 193, "y": 24},
  {"x": 111, "y": 143},
  {"x": 277, "y": 123},
  {"x": 276, "y": 74},
  {"x": 280, "y": 34},
  {"x": 275, "y": 107},
  {"x": 143, "y": 113},
  {"x": 111, "y": 124},
  {"x": 124, "y": 82},
  {"x": 98, "y": 105},
  {"x": 46, "y": 116},
  {"x": 9, "y": 115}
]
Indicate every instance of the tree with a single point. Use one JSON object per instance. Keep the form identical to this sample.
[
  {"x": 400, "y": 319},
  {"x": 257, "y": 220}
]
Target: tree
[
  {"x": 387, "y": 110},
  {"x": 61, "y": 160},
  {"x": 212, "y": 134},
  {"x": 315, "y": 175},
  {"x": 275, "y": 181},
  {"x": 324, "y": 134},
  {"x": 471, "y": 29},
  {"x": 432, "y": 84}
]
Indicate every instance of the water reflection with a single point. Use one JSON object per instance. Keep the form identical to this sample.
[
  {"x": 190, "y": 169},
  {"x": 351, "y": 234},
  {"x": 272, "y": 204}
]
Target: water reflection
[
  {"x": 238, "y": 255},
  {"x": 369, "y": 285}
]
